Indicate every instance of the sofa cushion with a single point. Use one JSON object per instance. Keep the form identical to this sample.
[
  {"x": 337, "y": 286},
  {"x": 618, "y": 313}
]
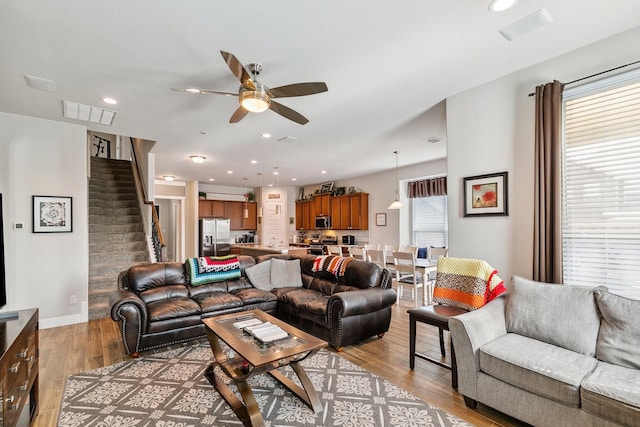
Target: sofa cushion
[
  {"x": 565, "y": 316},
  {"x": 613, "y": 392},
  {"x": 285, "y": 273},
  {"x": 172, "y": 308},
  {"x": 217, "y": 301},
  {"x": 544, "y": 369},
  {"x": 260, "y": 275},
  {"x": 619, "y": 337}
]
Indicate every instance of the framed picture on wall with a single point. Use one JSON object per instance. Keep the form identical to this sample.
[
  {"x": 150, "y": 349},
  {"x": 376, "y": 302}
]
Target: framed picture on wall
[
  {"x": 486, "y": 195},
  {"x": 327, "y": 187},
  {"x": 52, "y": 214},
  {"x": 381, "y": 219}
]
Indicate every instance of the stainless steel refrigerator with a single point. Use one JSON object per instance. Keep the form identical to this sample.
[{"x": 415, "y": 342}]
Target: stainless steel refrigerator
[{"x": 215, "y": 235}]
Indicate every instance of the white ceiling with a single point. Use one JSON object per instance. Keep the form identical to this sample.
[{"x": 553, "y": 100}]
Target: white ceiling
[{"x": 387, "y": 65}]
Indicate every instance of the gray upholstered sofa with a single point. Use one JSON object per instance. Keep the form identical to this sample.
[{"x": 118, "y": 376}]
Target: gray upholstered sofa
[{"x": 552, "y": 355}]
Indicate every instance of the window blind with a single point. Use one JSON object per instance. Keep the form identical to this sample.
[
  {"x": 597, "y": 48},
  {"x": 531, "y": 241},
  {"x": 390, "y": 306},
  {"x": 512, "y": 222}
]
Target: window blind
[
  {"x": 429, "y": 220},
  {"x": 601, "y": 185}
]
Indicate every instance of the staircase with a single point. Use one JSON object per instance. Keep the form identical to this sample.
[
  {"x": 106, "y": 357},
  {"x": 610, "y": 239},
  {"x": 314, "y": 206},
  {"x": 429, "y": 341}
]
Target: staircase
[{"x": 116, "y": 236}]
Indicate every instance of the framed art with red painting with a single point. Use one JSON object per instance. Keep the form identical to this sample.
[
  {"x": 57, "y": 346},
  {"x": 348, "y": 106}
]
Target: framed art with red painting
[{"x": 486, "y": 194}]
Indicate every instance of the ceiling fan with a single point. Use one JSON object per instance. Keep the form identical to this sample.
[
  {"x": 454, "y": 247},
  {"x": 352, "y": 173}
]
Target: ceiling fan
[{"x": 256, "y": 97}]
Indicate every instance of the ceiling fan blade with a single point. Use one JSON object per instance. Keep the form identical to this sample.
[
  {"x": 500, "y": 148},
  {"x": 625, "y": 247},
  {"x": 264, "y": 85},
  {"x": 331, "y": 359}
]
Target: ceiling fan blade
[
  {"x": 205, "y": 91},
  {"x": 237, "y": 69},
  {"x": 298, "y": 89},
  {"x": 238, "y": 115},
  {"x": 288, "y": 113}
]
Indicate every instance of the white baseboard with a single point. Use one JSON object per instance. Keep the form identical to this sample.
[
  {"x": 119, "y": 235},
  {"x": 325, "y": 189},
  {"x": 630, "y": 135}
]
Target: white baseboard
[{"x": 53, "y": 322}]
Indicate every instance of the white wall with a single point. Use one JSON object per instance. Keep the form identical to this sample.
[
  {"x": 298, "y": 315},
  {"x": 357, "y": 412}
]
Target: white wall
[
  {"x": 490, "y": 129},
  {"x": 41, "y": 157}
]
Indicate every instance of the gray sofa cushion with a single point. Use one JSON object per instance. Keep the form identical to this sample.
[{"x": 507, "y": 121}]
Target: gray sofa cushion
[
  {"x": 565, "y": 316},
  {"x": 619, "y": 338},
  {"x": 285, "y": 273},
  {"x": 260, "y": 275},
  {"x": 613, "y": 392},
  {"x": 544, "y": 369}
]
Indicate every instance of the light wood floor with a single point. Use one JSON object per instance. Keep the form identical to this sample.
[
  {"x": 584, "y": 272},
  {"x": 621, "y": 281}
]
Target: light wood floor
[{"x": 71, "y": 349}]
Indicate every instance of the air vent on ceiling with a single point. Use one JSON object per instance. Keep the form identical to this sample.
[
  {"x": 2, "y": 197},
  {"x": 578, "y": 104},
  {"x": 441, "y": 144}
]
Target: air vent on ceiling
[
  {"x": 74, "y": 110},
  {"x": 526, "y": 25},
  {"x": 40, "y": 83}
]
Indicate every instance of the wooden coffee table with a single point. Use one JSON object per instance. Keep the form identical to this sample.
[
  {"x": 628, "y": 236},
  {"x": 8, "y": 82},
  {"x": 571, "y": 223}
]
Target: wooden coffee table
[{"x": 248, "y": 357}]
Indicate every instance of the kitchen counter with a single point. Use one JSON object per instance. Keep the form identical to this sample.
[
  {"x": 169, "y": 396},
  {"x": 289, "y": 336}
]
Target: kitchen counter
[{"x": 255, "y": 250}]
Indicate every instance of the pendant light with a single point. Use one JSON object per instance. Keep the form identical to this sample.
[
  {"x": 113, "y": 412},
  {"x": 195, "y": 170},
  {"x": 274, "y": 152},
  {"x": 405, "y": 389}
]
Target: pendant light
[
  {"x": 245, "y": 214},
  {"x": 277, "y": 174},
  {"x": 260, "y": 208},
  {"x": 396, "y": 204}
]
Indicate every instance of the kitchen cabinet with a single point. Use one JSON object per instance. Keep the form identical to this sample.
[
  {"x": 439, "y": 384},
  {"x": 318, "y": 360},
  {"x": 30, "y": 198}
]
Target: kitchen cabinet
[
  {"x": 232, "y": 210},
  {"x": 305, "y": 215},
  {"x": 350, "y": 212},
  {"x": 322, "y": 202},
  {"x": 211, "y": 209}
]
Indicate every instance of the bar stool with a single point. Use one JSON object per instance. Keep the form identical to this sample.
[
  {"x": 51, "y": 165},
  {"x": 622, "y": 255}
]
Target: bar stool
[{"x": 438, "y": 316}]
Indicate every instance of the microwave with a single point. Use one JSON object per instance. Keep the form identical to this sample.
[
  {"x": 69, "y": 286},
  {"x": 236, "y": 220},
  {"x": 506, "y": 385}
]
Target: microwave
[{"x": 323, "y": 222}]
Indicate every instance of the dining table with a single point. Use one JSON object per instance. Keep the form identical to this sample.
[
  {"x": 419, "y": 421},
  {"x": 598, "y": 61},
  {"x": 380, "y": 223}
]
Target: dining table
[{"x": 426, "y": 266}]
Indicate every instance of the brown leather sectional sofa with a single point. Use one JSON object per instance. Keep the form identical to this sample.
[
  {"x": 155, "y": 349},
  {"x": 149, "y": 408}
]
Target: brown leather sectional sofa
[{"x": 155, "y": 305}]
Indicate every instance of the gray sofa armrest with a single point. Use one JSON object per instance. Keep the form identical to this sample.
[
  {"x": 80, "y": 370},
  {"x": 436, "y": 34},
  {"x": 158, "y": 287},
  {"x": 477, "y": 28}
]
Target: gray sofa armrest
[
  {"x": 128, "y": 309},
  {"x": 469, "y": 332}
]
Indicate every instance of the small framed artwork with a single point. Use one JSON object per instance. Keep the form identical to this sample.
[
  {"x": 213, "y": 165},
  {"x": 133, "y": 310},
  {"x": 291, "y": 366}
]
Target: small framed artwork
[
  {"x": 327, "y": 187},
  {"x": 486, "y": 194},
  {"x": 381, "y": 219},
  {"x": 52, "y": 214}
]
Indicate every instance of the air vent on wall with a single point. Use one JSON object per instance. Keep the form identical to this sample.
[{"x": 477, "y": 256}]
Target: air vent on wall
[{"x": 74, "y": 110}]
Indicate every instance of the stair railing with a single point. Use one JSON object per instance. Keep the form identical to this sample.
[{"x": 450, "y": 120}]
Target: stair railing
[{"x": 159, "y": 247}]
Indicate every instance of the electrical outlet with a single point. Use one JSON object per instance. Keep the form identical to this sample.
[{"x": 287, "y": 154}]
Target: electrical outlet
[{"x": 73, "y": 299}]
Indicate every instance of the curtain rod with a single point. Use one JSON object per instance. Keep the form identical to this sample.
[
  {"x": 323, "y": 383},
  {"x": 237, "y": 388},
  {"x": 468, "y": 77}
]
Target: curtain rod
[{"x": 596, "y": 74}]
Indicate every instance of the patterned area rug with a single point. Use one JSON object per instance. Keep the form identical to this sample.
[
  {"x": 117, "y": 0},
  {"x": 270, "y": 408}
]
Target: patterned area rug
[{"x": 169, "y": 390}]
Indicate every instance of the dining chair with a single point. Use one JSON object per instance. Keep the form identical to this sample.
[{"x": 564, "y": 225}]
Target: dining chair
[
  {"x": 388, "y": 253},
  {"x": 334, "y": 250},
  {"x": 368, "y": 246},
  {"x": 435, "y": 254},
  {"x": 413, "y": 249},
  {"x": 357, "y": 253},
  {"x": 405, "y": 267},
  {"x": 376, "y": 256}
]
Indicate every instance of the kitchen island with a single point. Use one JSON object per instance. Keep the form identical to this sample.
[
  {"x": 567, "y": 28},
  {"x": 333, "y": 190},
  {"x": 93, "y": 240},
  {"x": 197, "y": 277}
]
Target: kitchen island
[{"x": 257, "y": 250}]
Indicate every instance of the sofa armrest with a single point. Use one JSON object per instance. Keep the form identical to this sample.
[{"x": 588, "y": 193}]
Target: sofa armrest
[
  {"x": 128, "y": 309},
  {"x": 352, "y": 303},
  {"x": 469, "y": 331}
]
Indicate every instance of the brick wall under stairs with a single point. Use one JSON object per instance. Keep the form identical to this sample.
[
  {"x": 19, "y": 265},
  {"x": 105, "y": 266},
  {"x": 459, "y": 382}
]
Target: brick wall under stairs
[{"x": 116, "y": 235}]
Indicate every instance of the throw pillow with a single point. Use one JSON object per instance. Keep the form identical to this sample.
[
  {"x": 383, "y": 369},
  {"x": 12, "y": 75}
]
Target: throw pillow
[
  {"x": 561, "y": 315},
  {"x": 285, "y": 273},
  {"x": 619, "y": 331},
  {"x": 220, "y": 269},
  {"x": 260, "y": 275}
]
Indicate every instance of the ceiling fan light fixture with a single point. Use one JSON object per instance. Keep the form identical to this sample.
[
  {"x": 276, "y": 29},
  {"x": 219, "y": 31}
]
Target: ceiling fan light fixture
[
  {"x": 254, "y": 101},
  {"x": 197, "y": 159}
]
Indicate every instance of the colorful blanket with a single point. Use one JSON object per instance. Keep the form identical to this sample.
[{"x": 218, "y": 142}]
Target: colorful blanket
[
  {"x": 336, "y": 265},
  {"x": 212, "y": 269},
  {"x": 466, "y": 283}
]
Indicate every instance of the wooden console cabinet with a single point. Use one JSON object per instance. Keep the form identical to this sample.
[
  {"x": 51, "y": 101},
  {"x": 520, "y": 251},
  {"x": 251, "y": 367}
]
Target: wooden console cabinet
[{"x": 19, "y": 366}]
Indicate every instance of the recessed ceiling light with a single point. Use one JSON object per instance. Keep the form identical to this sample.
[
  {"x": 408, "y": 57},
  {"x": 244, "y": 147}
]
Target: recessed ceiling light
[
  {"x": 169, "y": 177},
  {"x": 266, "y": 135},
  {"x": 253, "y": 162},
  {"x": 204, "y": 132},
  {"x": 109, "y": 101},
  {"x": 229, "y": 172},
  {"x": 323, "y": 171},
  {"x": 212, "y": 179},
  {"x": 276, "y": 173},
  {"x": 293, "y": 179},
  {"x": 197, "y": 159},
  {"x": 270, "y": 185},
  {"x": 192, "y": 90},
  {"x": 500, "y": 5}
]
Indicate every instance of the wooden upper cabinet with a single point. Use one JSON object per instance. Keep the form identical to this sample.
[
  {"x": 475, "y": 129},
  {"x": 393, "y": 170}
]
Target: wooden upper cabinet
[
  {"x": 322, "y": 202},
  {"x": 232, "y": 210},
  {"x": 359, "y": 211},
  {"x": 299, "y": 215},
  {"x": 336, "y": 212},
  {"x": 305, "y": 214},
  {"x": 211, "y": 209}
]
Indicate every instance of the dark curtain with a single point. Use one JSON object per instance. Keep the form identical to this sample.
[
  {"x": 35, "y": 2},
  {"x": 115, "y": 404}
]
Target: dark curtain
[
  {"x": 547, "y": 239},
  {"x": 427, "y": 187}
]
